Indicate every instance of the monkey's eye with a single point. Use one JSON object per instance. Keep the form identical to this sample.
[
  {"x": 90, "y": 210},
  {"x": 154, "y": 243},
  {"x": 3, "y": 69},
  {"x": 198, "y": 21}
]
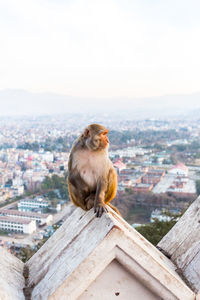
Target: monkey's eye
[{"x": 105, "y": 132}]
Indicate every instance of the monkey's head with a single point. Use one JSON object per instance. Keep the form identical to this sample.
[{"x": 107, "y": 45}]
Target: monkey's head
[{"x": 95, "y": 136}]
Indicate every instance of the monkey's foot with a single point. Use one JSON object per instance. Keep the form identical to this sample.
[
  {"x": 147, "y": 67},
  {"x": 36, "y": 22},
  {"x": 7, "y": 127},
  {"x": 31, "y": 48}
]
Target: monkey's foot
[
  {"x": 89, "y": 201},
  {"x": 99, "y": 210},
  {"x": 90, "y": 204}
]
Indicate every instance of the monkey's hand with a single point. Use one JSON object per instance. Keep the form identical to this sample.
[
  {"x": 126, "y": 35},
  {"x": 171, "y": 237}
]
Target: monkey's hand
[
  {"x": 99, "y": 204},
  {"x": 99, "y": 209}
]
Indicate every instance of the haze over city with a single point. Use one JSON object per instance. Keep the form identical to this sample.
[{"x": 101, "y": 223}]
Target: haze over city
[
  {"x": 133, "y": 67},
  {"x": 21, "y": 102},
  {"x": 96, "y": 55}
]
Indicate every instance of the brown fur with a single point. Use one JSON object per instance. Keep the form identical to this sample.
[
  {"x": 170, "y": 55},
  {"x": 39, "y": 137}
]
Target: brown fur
[{"x": 92, "y": 179}]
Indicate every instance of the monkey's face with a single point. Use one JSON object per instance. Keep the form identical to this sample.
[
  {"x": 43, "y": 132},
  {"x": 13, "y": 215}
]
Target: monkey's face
[{"x": 97, "y": 141}]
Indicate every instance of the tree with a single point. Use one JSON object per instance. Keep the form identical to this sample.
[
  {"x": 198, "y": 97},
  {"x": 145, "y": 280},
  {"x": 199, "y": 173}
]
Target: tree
[
  {"x": 155, "y": 231},
  {"x": 173, "y": 159},
  {"x": 166, "y": 162},
  {"x": 26, "y": 253},
  {"x": 9, "y": 182},
  {"x": 56, "y": 182}
]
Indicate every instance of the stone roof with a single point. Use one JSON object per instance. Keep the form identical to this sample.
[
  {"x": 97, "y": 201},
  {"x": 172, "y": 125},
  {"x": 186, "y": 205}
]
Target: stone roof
[
  {"x": 119, "y": 164},
  {"x": 86, "y": 256},
  {"x": 11, "y": 276},
  {"x": 182, "y": 245},
  {"x": 180, "y": 166},
  {"x": 73, "y": 258},
  {"x": 16, "y": 212},
  {"x": 15, "y": 220}
]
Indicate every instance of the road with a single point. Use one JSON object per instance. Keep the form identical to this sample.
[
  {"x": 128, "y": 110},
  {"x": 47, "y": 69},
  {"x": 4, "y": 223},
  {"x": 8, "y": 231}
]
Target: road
[
  {"x": 10, "y": 205},
  {"x": 64, "y": 213}
]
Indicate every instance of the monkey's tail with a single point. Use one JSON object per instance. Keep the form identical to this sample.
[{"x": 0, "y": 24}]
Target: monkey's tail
[{"x": 114, "y": 208}]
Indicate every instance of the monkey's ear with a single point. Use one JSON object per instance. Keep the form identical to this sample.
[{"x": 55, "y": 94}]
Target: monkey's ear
[{"x": 86, "y": 132}]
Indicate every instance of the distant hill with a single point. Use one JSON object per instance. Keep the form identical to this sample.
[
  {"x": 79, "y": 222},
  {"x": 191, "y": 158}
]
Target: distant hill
[{"x": 21, "y": 102}]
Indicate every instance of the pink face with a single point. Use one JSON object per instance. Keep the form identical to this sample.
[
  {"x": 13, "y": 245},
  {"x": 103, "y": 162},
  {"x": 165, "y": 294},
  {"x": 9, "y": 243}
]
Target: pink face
[
  {"x": 104, "y": 137},
  {"x": 96, "y": 141}
]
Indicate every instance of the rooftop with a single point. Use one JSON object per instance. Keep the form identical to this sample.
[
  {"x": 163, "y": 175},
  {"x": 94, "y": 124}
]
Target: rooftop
[
  {"x": 15, "y": 220},
  {"x": 20, "y": 213},
  {"x": 180, "y": 166},
  {"x": 182, "y": 245},
  {"x": 88, "y": 254}
]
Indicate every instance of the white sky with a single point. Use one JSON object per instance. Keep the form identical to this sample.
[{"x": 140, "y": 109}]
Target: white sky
[{"x": 101, "y": 48}]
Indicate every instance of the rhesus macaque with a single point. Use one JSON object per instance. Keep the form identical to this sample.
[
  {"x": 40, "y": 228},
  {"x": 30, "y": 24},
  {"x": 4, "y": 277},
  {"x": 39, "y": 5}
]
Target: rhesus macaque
[{"x": 92, "y": 179}]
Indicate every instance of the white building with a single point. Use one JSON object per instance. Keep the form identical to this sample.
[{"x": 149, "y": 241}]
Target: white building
[
  {"x": 119, "y": 165},
  {"x": 40, "y": 218},
  {"x": 19, "y": 225},
  {"x": 31, "y": 204},
  {"x": 17, "y": 182},
  {"x": 179, "y": 169},
  {"x": 17, "y": 190},
  {"x": 129, "y": 152},
  {"x": 47, "y": 156},
  {"x": 160, "y": 216}
]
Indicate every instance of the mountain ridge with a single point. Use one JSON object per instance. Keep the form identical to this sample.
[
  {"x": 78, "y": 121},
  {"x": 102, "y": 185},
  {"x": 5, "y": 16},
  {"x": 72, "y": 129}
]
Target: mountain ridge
[{"x": 23, "y": 102}]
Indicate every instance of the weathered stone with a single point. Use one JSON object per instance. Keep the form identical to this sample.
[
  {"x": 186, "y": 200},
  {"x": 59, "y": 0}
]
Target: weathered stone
[
  {"x": 105, "y": 258},
  {"x": 182, "y": 244},
  {"x": 85, "y": 250},
  {"x": 11, "y": 277}
]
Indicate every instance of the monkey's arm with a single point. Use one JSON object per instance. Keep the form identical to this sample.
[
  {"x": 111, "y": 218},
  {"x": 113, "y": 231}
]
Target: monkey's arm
[
  {"x": 112, "y": 186},
  {"x": 106, "y": 191},
  {"x": 78, "y": 190},
  {"x": 99, "y": 203}
]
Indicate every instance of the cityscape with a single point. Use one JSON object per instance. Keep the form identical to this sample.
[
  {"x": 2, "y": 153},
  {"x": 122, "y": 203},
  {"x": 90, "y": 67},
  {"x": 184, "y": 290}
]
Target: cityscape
[
  {"x": 121, "y": 76},
  {"x": 157, "y": 162}
]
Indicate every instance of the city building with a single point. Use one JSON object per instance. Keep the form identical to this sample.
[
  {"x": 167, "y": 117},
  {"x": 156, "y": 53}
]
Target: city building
[
  {"x": 32, "y": 204},
  {"x": 142, "y": 187},
  {"x": 180, "y": 185},
  {"x": 17, "y": 225},
  {"x": 153, "y": 176},
  {"x": 39, "y": 218},
  {"x": 119, "y": 165},
  {"x": 162, "y": 216},
  {"x": 179, "y": 169}
]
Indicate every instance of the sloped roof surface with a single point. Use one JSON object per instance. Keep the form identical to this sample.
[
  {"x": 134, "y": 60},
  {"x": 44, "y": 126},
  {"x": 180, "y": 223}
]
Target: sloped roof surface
[
  {"x": 182, "y": 244},
  {"x": 11, "y": 277},
  {"x": 85, "y": 245}
]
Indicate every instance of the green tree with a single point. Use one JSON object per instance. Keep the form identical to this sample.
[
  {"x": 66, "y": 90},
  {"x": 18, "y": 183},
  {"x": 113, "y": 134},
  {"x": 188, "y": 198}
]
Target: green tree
[
  {"x": 173, "y": 159},
  {"x": 55, "y": 183},
  {"x": 166, "y": 162},
  {"x": 197, "y": 155},
  {"x": 26, "y": 253},
  {"x": 155, "y": 231}
]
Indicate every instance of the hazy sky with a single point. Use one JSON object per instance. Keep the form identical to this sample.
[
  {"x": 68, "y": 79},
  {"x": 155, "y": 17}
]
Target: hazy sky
[{"x": 100, "y": 48}]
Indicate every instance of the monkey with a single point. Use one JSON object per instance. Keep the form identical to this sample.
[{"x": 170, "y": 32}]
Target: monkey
[{"x": 92, "y": 179}]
